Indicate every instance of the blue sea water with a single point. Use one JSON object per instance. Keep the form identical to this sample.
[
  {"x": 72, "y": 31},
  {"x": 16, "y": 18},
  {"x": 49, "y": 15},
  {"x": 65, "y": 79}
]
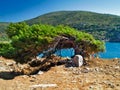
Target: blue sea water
[
  {"x": 65, "y": 52},
  {"x": 112, "y": 50}
]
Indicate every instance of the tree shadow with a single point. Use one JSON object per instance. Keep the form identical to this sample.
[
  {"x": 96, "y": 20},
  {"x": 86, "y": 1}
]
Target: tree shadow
[{"x": 8, "y": 75}]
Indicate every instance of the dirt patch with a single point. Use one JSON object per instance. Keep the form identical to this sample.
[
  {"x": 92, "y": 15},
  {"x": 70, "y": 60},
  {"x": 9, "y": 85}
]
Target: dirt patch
[{"x": 97, "y": 75}]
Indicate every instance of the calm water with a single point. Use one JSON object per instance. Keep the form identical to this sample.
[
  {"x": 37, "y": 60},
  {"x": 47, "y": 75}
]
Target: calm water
[{"x": 112, "y": 50}]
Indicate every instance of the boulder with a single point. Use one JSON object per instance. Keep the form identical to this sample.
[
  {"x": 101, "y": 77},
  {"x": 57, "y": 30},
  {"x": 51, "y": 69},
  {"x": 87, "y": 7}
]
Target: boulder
[{"x": 78, "y": 60}]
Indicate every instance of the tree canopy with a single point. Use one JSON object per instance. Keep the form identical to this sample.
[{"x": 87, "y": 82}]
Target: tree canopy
[{"x": 28, "y": 41}]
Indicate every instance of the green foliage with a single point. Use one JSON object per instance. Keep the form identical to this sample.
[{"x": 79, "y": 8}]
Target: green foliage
[
  {"x": 7, "y": 50},
  {"x": 28, "y": 41}
]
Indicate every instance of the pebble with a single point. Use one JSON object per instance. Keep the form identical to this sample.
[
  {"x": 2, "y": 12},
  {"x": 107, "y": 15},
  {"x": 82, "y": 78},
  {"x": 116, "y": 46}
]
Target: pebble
[
  {"x": 117, "y": 67},
  {"x": 77, "y": 72},
  {"x": 85, "y": 70},
  {"x": 96, "y": 69},
  {"x": 9, "y": 64},
  {"x": 25, "y": 76},
  {"x": 43, "y": 85},
  {"x": 40, "y": 72},
  {"x": 74, "y": 81},
  {"x": 32, "y": 80},
  {"x": 111, "y": 85}
]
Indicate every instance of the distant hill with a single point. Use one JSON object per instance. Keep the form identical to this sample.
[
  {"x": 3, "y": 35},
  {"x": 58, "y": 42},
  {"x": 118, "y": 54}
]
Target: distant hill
[{"x": 102, "y": 26}]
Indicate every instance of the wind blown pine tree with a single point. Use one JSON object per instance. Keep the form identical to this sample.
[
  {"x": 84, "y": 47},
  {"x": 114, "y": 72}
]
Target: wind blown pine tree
[{"x": 29, "y": 41}]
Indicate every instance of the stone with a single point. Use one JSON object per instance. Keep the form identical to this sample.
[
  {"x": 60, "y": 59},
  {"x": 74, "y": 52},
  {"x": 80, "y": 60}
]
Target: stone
[
  {"x": 117, "y": 67},
  {"x": 84, "y": 70},
  {"x": 40, "y": 72},
  {"x": 9, "y": 64},
  {"x": 74, "y": 81},
  {"x": 96, "y": 69},
  {"x": 43, "y": 85},
  {"x": 78, "y": 60},
  {"x": 24, "y": 76}
]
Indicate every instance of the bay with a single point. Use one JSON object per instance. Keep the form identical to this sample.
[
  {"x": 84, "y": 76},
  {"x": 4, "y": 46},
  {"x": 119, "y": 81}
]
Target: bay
[{"x": 112, "y": 50}]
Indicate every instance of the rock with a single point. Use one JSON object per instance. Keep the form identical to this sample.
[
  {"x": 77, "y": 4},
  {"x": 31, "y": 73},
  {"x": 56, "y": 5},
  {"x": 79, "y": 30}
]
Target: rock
[
  {"x": 91, "y": 88},
  {"x": 25, "y": 76},
  {"x": 9, "y": 64},
  {"x": 5, "y": 68},
  {"x": 111, "y": 85},
  {"x": 85, "y": 70},
  {"x": 74, "y": 81},
  {"x": 96, "y": 69},
  {"x": 89, "y": 69},
  {"x": 117, "y": 67},
  {"x": 32, "y": 80},
  {"x": 40, "y": 72},
  {"x": 78, "y": 60},
  {"x": 76, "y": 73},
  {"x": 11, "y": 70},
  {"x": 2, "y": 69},
  {"x": 43, "y": 85}
]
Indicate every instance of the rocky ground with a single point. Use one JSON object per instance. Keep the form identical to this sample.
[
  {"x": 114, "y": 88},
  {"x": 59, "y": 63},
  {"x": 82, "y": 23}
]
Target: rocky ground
[{"x": 97, "y": 75}]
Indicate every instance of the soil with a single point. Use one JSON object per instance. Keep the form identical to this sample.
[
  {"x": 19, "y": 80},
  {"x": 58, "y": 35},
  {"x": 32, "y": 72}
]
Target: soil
[{"x": 98, "y": 74}]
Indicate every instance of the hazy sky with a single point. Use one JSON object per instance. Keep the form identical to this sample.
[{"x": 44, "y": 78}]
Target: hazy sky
[{"x": 19, "y": 10}]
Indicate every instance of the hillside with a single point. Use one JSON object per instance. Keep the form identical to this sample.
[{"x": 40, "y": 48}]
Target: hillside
[{"x": 99, "y": 25}]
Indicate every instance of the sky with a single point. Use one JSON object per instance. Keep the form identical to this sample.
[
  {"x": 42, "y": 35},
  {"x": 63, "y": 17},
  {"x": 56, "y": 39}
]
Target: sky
[{"x": 20, "y": 10}]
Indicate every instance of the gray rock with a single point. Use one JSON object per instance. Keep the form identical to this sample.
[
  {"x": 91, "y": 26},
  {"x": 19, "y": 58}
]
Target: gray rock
[{"x": 78, "y": 60}]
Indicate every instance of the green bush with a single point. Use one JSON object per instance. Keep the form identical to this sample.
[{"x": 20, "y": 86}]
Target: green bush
[{"x": 7, "y": 50}]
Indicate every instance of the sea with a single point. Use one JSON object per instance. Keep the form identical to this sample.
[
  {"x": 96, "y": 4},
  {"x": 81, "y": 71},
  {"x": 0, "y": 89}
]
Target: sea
[{"x": 112, "y": 50}]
